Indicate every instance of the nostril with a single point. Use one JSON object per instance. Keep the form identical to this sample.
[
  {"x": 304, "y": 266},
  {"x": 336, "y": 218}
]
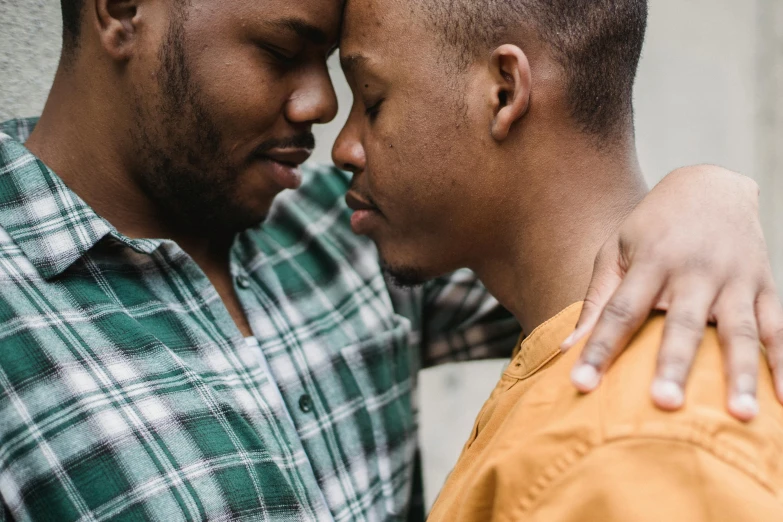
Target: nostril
[{"x": 350, "y": 167}]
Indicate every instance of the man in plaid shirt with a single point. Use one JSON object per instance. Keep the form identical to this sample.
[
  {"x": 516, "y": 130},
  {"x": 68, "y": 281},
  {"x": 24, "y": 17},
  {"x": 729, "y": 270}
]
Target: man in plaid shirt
[{"x": 179, "y": 338}]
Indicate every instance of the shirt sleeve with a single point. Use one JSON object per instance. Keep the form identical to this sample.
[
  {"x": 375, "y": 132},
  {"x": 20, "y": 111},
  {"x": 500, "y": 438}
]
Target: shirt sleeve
[
  {"x": 463, "y": 322},
  {"x": 653, "y": 481}
]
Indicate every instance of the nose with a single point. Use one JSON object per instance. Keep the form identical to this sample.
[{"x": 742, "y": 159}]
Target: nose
[
  {"x": 314, "y": 99},
  {"x": 348, "y": 151}
]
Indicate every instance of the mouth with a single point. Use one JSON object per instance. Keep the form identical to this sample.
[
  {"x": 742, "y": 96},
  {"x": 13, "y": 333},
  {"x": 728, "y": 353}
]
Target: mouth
[
  {"x": 288, "y": 157},
  {"x": 365, "y": 214},
  {"x": 285, "y": 165},
  {"x": 356, "y": 202}
]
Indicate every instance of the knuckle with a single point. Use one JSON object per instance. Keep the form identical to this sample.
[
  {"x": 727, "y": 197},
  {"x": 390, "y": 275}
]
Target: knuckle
[
  {"x": 620, "y": 311},
  {"x": 592, "y": 299},
  {"x": 656, "y": 255},
  {"x": 701, "y": 265},
  {"x": 598, "y": 353},
  {"x": 686, "y": 321},
  {"x": 674, "y": 365},
  {"x": 745, "y": 330},
  {"x": 773, "y": 337}
]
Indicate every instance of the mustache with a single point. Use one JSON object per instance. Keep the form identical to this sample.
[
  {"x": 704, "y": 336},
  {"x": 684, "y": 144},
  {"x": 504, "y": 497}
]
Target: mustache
[
  {"x": 300, "y": 141},
  {"x": 364, "y": 195}
]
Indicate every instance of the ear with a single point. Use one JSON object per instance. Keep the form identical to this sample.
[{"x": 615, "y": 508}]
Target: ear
[
  {"x": 511, "y": 89},
  {"x": 118, "y": 26}
]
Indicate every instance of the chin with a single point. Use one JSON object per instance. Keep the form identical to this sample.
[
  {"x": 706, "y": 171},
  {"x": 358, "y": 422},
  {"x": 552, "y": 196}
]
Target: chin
[
  {"x": 405, "y": 276},
  {"x": 408, "y": 266}
]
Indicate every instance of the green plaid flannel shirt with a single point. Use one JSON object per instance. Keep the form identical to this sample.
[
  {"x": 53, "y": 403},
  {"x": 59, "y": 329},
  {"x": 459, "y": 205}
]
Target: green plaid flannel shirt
[{"x": 127, "y": 392}]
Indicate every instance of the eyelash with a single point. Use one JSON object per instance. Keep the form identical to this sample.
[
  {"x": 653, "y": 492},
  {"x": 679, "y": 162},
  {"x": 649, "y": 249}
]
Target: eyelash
[
  {"x": 284, "y": 60},
  {"x": 372, "y": 112}
]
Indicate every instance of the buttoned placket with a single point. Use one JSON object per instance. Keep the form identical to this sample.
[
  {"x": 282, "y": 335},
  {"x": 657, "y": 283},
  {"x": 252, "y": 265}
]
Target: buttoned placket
[
  {"x": 246, "y": 289},
  {"x": 271, "y": 395}
]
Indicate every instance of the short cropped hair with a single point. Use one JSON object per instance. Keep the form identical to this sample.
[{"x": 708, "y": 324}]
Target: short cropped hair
[
  {"x": 72, "y": 22},
  {"x": 598, "y": 44}
]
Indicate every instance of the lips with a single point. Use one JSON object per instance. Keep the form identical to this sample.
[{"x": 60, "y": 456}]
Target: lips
[
  {"x": 356, "y": 202},
  {"x": 285, "y": 165},
  {"x": 366, "y": 216},
  {"x": 288, "y": 157}
]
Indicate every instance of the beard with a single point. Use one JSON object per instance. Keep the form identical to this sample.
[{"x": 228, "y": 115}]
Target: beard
[
  {"x": 184, "y": 171},
  {"x": 184, "y": 168},
  {"x": 404, "y": 276}
]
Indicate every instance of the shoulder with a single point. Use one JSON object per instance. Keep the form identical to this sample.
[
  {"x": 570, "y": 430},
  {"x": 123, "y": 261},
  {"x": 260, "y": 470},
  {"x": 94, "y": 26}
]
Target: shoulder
[
  {"x": 649, "y": 479},
  {"x": 548, "y": 434}
]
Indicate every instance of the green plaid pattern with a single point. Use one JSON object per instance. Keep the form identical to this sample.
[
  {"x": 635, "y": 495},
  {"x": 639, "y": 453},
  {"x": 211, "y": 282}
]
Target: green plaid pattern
[{"x": 127, "y": 392}]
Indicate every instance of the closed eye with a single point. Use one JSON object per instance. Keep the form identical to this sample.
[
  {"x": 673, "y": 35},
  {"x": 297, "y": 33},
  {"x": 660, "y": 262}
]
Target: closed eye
[
  {"x": 372, "y": 112},
  {"x": 278, "y": 55}
]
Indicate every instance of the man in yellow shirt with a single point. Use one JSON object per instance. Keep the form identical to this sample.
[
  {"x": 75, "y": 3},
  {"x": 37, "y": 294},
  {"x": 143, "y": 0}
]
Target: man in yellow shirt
[{"x": 519, "y": 112}]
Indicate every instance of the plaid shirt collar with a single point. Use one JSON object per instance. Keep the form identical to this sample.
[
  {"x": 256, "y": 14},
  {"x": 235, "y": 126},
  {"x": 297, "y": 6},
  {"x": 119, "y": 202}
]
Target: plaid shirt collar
[{"x": 51, "y": 224}]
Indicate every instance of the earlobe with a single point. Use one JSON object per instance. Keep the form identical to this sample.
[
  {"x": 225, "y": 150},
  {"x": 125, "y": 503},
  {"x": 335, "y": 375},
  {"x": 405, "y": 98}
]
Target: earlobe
[
  {"x": 511, "y": 90},
  {"x": 116, "y": 23}
]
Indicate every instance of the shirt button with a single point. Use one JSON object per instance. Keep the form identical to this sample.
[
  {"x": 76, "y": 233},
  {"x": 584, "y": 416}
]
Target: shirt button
[
  {"x": 243, "y": 282},
  {"x": 305, "y": 403}
]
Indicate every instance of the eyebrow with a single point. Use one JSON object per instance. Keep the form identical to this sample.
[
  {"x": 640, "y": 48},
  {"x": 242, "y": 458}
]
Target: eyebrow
[
  {"x": 353, "y": 62},
  {"x": 302, "y": 29}
]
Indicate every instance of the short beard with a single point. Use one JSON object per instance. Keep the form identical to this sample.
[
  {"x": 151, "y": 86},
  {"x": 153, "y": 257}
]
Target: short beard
[
  {"x": 404, "y": 276},
  {"x": 183, "y": 168}
]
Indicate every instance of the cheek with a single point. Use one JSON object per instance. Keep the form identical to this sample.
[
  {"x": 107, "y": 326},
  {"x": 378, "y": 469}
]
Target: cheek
[
  {"x": 413, "y": 186},
  {"x": 244, "y": 93}
]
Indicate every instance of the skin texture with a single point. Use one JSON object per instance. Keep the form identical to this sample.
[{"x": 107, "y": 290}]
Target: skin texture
[
  {"x": 406, "y": 141},
  {"x": 176, "y": 101},
  {"x": 731, "y": 288},
  {"x": 489, "y": 172},
  {"x": 457, "y": 175},
  {"x": 159, "y": 101}
]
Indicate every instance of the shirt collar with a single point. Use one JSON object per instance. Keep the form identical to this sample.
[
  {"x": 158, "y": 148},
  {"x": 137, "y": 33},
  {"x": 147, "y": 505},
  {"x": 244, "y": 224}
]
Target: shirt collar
[
  {"x": 49, "y": 222},
  {"x": 543, "y": 344}
]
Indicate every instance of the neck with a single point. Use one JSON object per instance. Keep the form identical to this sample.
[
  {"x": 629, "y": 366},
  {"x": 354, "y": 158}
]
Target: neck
[
  {"x": 88, "y": 147},
  {"x": 568, "y": 206}
]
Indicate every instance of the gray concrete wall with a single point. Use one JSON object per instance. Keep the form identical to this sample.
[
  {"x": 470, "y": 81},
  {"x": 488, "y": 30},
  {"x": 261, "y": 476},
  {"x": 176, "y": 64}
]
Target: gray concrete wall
[{"x": 710, "y": 89}]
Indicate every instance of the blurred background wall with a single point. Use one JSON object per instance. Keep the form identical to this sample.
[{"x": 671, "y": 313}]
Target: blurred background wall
[{"x": 710, "y": 89}]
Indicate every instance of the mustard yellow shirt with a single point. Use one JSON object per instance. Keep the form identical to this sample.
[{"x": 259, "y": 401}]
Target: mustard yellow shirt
[{"x": 540, "y": 451}]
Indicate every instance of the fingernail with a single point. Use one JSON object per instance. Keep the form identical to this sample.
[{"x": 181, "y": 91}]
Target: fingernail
[
  {"x": 744, "y": 405},
  {"x": 585, "y": 378},
  {"x": 668, "y": 394}
]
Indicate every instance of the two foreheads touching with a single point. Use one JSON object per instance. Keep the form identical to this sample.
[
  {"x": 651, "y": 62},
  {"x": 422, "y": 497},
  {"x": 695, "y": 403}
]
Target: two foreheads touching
[{"x": 598, "y": 43}]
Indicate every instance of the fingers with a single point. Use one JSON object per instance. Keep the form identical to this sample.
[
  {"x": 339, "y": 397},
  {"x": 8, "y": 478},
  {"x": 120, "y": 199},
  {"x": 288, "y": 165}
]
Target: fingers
[
  {"x": 739, "y": 337},
  {"x": 682, "y": 335},
  {"x": 622, "y": 316},
  {"x": 770, "y": 319},
  {"x": 607, "y": 277}
]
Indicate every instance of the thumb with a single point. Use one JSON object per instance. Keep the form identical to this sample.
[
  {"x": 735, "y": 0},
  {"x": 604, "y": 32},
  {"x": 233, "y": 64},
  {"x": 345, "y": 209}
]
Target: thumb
[{"x": 606, "y": 279}]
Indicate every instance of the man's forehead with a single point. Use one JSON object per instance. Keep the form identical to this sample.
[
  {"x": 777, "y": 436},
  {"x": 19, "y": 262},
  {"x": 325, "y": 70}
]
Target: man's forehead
[
  {"x": 308, "y": 17},
  {"x": 372, "y": 28},
  {"x": 376, "y": 19}
]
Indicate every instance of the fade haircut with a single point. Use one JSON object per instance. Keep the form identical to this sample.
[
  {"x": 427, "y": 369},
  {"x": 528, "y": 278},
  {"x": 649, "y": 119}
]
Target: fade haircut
[
  {"x": 72, "y": 23},
  {"x": 597, "y": 43}
]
